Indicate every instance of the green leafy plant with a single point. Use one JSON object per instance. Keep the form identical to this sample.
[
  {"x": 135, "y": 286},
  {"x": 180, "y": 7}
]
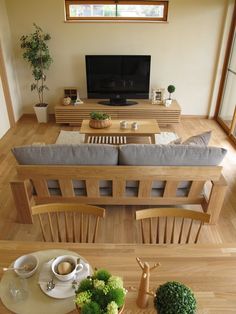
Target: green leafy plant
[
  {"x": 174, "y": 298},
  {"x": 171, "y": 89},
  {"x": 36, "y": 52},
  {"x": 99, "y": 115},
  {"x": 100, "y": 293}
]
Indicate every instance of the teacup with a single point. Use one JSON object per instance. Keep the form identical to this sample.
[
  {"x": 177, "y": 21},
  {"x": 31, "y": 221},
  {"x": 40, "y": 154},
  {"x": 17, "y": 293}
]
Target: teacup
[
  {"x": 75, "y": 267},
  {"x": 123, "y": 124},
  {"x": 134, "y": 126}
]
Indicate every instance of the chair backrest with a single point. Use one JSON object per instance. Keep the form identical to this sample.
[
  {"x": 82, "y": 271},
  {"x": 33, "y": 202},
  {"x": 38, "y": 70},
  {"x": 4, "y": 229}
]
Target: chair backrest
[
  {"x": 170, "y": 225},
  {"x": 67, "y": 222}
]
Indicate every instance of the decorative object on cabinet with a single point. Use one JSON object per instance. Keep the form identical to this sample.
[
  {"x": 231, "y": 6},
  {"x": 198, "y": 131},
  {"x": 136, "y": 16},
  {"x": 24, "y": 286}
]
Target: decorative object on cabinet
[
  {"x": 71, "y": 92},
  {"x": 66, "y": 101},
  {"x": 158, "y": 96},
  {"x": 168, "y": 101}
]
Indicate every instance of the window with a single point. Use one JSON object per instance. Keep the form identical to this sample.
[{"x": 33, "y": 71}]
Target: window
[{"x": 112, "y": 10}]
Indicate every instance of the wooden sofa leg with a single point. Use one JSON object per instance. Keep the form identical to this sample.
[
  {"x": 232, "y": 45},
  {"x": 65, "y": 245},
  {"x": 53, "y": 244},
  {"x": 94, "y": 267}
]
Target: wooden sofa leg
[
  {"x": 216, "y": 199},
  {"x": 22, "y": 201}
]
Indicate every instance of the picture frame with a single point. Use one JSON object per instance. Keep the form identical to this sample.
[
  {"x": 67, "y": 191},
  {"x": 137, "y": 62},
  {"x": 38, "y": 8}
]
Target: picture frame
[{"x": 158, "y": 96}]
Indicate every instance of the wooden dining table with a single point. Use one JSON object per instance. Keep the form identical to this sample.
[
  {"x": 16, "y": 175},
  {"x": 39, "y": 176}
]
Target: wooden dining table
[{"x": 209, "y": 270}]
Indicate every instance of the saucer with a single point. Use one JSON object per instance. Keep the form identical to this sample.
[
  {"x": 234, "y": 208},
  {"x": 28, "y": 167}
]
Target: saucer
[{"x": 63, "y": 289}]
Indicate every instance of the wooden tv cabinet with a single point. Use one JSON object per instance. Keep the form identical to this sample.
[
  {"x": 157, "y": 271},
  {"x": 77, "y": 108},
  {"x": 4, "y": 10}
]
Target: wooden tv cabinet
[{"x": 74, "y": 115}]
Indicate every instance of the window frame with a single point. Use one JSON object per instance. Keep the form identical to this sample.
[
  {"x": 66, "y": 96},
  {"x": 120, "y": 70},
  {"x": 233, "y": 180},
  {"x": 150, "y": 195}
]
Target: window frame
[{"x": 68, "y": 18}]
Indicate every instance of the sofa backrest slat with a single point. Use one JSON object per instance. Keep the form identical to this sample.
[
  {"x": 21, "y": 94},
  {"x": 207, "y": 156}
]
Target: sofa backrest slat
[
  {"x": 118, "y": 188},
  {"x": 92, "y": 187},
  {"x": 196, "y": 188},
  {"x": 170, "y": 188},
  {"x": 40, "y": 186},
  {"x": 145, "y": 188},
  {"x": 66, "y": 187}
]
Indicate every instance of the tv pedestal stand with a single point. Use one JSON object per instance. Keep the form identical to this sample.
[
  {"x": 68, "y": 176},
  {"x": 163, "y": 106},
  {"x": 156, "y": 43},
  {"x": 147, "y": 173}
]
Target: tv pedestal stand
[
  {"x": 74, "y": 115},
  {"x": 118, "y": 102}
]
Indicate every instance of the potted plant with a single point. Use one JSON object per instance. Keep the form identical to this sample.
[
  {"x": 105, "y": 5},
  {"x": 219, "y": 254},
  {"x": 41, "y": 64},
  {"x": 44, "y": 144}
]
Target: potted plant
[
  {"x": 174, "y": 298},
  {"x": 36, "y": 52},
  {"x": 171, "y": 89},
  {"x": 100, "y": 293},
  {"x": 99, "y": 120}
]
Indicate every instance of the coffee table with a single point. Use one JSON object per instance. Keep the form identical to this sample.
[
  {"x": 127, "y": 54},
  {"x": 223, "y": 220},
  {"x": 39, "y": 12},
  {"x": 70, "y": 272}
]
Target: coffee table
[{"x": 146, "y": 128}]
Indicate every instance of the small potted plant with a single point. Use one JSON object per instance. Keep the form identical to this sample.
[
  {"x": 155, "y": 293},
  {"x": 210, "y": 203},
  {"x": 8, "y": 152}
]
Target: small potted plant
[
  {"x": 100, "y": 293},
  {"x": 171, "y": 89},
  {"x": 99, "y": 120},
  {"x": 36, "y": 52},
  {"x": 174, "y": 298}
]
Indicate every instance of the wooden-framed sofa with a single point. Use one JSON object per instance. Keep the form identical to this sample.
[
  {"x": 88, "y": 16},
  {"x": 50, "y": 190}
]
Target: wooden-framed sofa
[{"x": 120, "y": 179}]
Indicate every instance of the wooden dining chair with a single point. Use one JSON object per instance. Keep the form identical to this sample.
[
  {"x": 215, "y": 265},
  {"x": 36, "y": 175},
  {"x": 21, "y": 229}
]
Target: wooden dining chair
[
  {"x": 170, "y": 225},
  {"x": 67, "y": 222}
]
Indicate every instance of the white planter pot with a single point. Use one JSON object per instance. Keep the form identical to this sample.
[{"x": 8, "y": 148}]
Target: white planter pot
[
  {"x": 41, "y": 114},
  {"x": 168, "y": 102}
]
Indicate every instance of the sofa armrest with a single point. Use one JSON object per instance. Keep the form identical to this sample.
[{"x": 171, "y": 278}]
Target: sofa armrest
[
  {"x": 22, "y": 191},
  {"x": 216, "y": 199}
]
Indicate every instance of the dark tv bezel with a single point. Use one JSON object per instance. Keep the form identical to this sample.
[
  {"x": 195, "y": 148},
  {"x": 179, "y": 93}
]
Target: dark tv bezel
[{"x": 122, "y": 95}]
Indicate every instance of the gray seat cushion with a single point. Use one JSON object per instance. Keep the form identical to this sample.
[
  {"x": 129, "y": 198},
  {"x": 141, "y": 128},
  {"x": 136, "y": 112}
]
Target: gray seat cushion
[
  {"x": 85, "y": 154},
  {"x": 170, "y": 155}
]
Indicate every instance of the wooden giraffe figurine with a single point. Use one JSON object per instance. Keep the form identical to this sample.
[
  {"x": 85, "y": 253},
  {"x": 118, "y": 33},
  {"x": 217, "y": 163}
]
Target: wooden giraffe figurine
[{"x": 143, "y": 293}]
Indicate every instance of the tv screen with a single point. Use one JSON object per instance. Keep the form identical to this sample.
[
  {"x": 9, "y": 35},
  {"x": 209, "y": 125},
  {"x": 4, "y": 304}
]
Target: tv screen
[{"x": 118, "y": 78}]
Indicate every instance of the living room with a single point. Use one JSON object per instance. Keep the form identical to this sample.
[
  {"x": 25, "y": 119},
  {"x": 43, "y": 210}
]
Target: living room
[{"x": 187, "y": 51}]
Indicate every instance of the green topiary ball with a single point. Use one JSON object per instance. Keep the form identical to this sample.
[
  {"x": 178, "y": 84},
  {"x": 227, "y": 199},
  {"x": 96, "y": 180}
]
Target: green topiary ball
[
  {"x": 171, "y": 88},
  {"x": 174, "y": 298},
  {"x": 91, "y": 308}
]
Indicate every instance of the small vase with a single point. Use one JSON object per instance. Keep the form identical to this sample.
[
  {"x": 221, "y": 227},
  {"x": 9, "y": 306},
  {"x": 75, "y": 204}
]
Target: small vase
[
  {"x": 99, "y": 124},
  {"x": 168, "y": 102}
]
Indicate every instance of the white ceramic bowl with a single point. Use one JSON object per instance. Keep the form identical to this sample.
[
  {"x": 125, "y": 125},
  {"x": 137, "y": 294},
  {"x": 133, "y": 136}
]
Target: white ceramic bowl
[
  {"x": 73, "y": 260},
  {"x": 29, "y": 259}
]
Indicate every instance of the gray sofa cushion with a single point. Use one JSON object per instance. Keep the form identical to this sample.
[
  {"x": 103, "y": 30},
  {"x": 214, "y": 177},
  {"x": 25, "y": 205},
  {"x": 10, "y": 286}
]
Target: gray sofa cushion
[
  {"x": 85, "y": 154},
  {"x": 199, "y": 139},
  {"x": 170, "y": 155}
]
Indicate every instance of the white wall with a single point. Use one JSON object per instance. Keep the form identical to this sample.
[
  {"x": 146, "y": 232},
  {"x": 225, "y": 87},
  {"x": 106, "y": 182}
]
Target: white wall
[
  {"x": 184, "y": 51},
  {"x": 5, "y": 39}
]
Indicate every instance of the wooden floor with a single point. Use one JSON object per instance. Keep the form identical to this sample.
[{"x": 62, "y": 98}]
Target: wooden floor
[{"x": 119, "y": 225}]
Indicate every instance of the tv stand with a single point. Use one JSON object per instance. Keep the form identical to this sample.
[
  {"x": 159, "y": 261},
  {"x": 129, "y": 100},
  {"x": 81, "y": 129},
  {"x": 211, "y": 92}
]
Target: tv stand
[
  {"x": 117, "y": 102},
  {"x": 74, "y": 115}
]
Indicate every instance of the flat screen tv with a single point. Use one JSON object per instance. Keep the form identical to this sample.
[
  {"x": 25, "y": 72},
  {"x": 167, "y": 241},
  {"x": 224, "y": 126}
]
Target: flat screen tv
[{"x": 117, "y": 78}]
